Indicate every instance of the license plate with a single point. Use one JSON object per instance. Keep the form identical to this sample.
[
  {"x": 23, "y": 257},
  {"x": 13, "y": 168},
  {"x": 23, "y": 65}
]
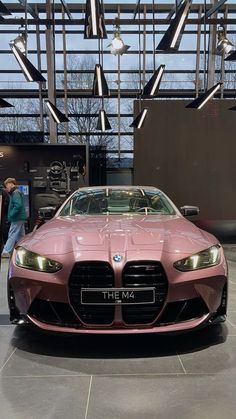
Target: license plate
[{"x": 113, "y": 296}]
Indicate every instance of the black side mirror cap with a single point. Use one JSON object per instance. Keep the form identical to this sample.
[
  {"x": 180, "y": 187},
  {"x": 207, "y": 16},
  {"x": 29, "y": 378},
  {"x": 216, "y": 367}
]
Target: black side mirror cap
[
  {"x": 188, "y": 210},
  {"x": 47, "y": 212}
]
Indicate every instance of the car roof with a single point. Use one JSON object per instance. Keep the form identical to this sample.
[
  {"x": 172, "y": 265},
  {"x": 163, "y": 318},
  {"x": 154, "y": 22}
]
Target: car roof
[{"x": 119, "y": 187}]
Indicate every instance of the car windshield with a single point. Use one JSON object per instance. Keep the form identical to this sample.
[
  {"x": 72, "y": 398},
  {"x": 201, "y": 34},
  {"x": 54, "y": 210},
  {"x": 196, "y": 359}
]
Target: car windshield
[{"x": 117, "y": 201}]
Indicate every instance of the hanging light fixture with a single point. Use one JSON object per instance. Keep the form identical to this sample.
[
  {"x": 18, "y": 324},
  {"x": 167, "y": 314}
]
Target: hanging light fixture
[
  {"x": 57, "y": 115},
  {"x": 200, "y": 101},
  {"x": 94, "y": 21},
  {"x": 103, "y": 121},
  {"x": 4, "y": 10},
  {"x": 100, "y": 86},
  {"x": 20, "y": 40},
  {"x": 138, "y": 122},
  {"x": 231, "y": 57},
  {"x": 224, "y": 46},
  {"x": 152, "y": 86},
  {"x": 30, "y": 72},
  {"x": 5, "y": 104},
  {"x": 117, "y": 44},
  {"x": 172, "y": 37}
]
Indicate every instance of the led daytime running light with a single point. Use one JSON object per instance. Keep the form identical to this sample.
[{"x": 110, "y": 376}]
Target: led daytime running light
[
  {"x": 30, "y": 260},
  {"x": 204, "y": 259}
]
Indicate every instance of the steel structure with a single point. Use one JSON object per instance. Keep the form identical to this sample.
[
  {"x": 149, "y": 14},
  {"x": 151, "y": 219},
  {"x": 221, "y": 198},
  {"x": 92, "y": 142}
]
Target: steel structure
[{"x": 55, "y": 44}]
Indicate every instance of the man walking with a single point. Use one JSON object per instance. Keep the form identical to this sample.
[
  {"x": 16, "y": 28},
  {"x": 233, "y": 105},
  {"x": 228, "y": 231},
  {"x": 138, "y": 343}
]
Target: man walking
[{"x": 16, "y": 216}]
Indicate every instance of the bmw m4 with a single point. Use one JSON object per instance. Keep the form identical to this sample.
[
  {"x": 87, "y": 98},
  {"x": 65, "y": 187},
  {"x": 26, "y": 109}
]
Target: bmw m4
[{"x": 120, "y": 259}]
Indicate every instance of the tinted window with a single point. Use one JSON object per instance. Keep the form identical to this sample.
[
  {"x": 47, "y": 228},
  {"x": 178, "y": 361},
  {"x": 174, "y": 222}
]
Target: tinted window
[{"x": 118, "y": 201}]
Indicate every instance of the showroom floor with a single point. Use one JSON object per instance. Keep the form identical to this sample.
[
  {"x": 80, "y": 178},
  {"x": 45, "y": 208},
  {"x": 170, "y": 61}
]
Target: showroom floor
[{"x": 138, "y": 377}]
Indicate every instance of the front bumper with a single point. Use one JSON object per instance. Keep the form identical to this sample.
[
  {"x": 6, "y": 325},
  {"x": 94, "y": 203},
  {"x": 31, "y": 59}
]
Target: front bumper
[{"x": 191, "y": 302}]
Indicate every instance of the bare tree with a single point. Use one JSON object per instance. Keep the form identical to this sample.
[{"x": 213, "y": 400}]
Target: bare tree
[
  {"x": 14, "y": 121},
  {"x": 85, "y": 110}
]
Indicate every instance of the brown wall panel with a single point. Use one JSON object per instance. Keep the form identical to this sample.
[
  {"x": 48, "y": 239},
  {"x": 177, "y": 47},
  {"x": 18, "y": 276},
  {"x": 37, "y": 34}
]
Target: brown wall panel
[{"x": 190, "y": 154}]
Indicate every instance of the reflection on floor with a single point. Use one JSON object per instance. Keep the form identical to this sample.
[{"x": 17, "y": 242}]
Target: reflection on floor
[{"x": 164, "y": 377}]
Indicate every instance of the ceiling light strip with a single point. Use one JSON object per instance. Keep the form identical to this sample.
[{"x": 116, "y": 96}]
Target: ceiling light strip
[
  {"x": 53, "y": 112},
  {"x": 94, "y": 16},
  {"x": 144, "y": 113},
  {"x": 99, "y": 79},
  {"x": 103, "y": 125},
  {"x": 180, "y": 25},
  {"x": 24, "y": 68},
  {"x": 208, "y": 97},
  {"x": 158, "y": 78}
]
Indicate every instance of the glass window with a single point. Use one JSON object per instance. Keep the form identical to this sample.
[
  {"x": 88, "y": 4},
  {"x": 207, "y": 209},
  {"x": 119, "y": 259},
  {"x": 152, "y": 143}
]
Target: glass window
[{"x": 117, "y": 201}]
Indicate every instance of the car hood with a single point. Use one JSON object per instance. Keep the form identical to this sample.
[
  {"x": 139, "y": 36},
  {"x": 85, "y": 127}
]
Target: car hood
[{"x": 114, "y": 233}]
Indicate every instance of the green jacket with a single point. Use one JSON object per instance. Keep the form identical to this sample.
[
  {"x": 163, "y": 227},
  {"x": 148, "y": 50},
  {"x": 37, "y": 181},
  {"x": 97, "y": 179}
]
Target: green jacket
[{"x": 16, "y": 209}]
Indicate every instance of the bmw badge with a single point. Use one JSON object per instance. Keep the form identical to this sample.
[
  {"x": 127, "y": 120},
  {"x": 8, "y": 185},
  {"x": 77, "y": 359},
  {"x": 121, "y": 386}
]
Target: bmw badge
[{"x": 117, "y": 258}]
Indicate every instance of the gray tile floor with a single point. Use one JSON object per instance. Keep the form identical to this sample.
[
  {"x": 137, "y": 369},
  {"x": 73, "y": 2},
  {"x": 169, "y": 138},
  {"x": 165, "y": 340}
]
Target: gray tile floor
[{"x": 131, "y": 377}]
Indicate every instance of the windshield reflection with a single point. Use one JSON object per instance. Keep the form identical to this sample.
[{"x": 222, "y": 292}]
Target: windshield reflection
[{"x": 117, "y": 201}]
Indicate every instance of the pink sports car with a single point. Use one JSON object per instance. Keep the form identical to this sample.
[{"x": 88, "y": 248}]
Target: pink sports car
[{"x": 119, "y": 259}]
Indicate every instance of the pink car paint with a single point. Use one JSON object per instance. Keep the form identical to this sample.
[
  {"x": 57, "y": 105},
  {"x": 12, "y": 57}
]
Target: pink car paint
[{"x": 114, "y": 254}]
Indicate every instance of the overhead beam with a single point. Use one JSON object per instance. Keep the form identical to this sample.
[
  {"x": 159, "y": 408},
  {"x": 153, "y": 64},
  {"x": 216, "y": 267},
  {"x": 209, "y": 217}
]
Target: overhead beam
[
  {"x": 173, "y": 10},
  {"x": 213, "y": 9},
  {"x": 127, "y": 22},
  {"x": 112, "y": 8},
  {"x": 29, "y": 9},
  {"x": 125, "y": 93},
  {"x": 148, "y": 71},
  {"x": 67, "y": 10},
  {"x": 136, "y": 8},
  {"x": 50, "y": 55},
  {"x": 4, "y": 10}
]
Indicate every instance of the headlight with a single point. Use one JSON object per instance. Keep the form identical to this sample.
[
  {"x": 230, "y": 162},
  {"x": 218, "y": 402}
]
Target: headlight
[
  {"x": 201, "y": 260},
  {"x": 29, "y": 260}
]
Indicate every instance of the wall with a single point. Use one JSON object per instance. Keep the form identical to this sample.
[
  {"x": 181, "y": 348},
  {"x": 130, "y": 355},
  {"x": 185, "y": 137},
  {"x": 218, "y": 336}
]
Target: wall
[
  {"x": 190, "y": 154},
  {"x": 119, "y": 177}
]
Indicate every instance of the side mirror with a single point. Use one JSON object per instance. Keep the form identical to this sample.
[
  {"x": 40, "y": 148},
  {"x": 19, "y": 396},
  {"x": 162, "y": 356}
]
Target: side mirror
[
  {"x": 188, "y": 210},
  {"x": 47, "y": 212},
  {"x": 44, "y": 214}
]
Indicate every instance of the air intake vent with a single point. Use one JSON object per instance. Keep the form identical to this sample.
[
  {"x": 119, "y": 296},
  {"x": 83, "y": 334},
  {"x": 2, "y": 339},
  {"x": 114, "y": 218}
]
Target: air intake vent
[
  {"x": 91, "y": 275},
  {"x": 53, "y": 312},
  {"x": 144, "y": 274},
  {"x": 182, "y": 311}
]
